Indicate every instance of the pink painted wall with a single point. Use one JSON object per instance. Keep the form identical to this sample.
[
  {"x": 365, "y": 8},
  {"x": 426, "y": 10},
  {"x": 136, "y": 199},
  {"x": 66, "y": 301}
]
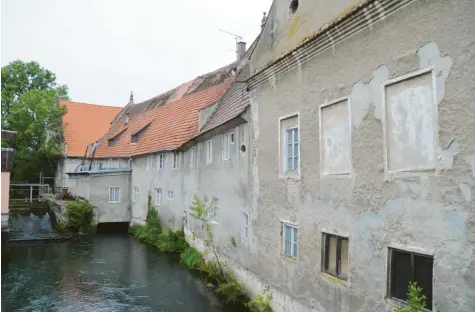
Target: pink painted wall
[{"x": 5, "y": 191}]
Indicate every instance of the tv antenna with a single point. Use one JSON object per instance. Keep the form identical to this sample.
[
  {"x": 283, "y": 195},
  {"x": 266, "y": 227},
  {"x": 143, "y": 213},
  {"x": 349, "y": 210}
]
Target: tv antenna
[{"x": 237, "y": 37}]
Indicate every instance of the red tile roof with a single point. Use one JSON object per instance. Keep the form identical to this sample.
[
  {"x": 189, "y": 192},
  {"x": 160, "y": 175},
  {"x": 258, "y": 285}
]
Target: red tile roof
[
  {"x": 85, "y": 123},
  {"x": 171, "y": 125}
]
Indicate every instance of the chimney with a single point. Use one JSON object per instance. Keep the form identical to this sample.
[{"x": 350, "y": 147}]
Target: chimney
[{"x": 240, "y": 50}]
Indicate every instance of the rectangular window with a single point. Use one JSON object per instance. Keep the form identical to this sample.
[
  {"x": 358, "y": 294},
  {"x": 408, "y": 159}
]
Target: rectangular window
[
  {"x": 245, "y": 225},
  {"x": 161, "y": 161},
  {"x": 228, "y": 139},
  {"x": 213, "y": 217},
  {"x": 136, "y": 194},
  {"x": 192, "y": 157},
  {"x": 291, "y": 149},
  {"x": 198, "y": 154},
  {"x": 408, "y": 267},
  {"x": 176, "y": 160},
  {"x": 114, "y": 194},
  {"x": 335, "y": 259},
  {"x": 335, "y": 138},
  {"x": 289, "y": 240},
  {"x": 170, "y": 195},
  {"x": 158, "y": 196},
  {"x": 150, "y": 162},
  {"x": 209, "y": 152}
]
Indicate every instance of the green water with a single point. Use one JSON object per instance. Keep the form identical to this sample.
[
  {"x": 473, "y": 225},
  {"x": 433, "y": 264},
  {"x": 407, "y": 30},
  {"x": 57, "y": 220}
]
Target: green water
[{"x": 102, "y": 273}]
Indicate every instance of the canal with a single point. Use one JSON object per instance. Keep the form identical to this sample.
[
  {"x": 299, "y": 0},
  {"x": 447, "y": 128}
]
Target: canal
[{"x": 102, "y": 272}]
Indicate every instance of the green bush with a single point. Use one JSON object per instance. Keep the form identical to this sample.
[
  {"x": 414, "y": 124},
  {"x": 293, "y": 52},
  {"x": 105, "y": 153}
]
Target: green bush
[
  {"x": 261, "y": 303},
  {"x": 232, "y": 290},
  {"x": 416, "y": 301},
  {"x": 153, "y": 218},
  {"x": 192, "y": 258},
  {"x": 79, "y": 214}
]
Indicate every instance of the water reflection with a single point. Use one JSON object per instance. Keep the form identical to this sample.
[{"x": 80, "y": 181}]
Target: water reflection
[{"x": 102, "y": 273}]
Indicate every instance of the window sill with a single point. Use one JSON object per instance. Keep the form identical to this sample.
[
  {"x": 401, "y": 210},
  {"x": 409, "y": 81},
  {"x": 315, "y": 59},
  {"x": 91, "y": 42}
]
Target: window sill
[
  {"x": 334, "y": 279},
  {"x": 114, "y": 202},
  {"x": 213, "y": 222},
  {"x": 289, "y": 175},
  {"x": 289, "y": 259},
  {"x": 398, "y": 303},
  {"x": 158, "y": 204}
]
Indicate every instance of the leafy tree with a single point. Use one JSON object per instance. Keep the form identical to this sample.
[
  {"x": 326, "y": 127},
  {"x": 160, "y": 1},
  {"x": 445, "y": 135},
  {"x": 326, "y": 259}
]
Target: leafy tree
[
  {"x": 416, "y": 300},
  {"x": 29, "y": 94}
]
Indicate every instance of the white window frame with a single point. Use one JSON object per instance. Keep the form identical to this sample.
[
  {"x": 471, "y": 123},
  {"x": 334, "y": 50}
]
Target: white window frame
[
  {"x": 213, "y": 217},
  {"x": 324, "y": 174},
  {"x": 192, "y": 156},
  {"x": 170, "y": 192},
  {"x": 150, "y": 162},
  {"x": 226, "y": 153},
  {"x": 176, "y": 160},
  {"x": 294, "y": 130},
  {"x": 390, "y": 174},
  {"x": 158, "y": 196},
  {"x": 112, "y": 199},
  {"x": 135, "y": 196},
  {"x": 283, "y": 174},
  {"x": 245, "y": 225},
  {"x": 293, "y": 240},
  {"x": 161, "y": 161},
  {"x": 209, "y": 151}
]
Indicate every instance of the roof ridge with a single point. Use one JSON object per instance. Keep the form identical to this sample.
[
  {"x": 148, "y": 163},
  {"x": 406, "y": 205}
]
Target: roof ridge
[{"x": 91, "y": 104}]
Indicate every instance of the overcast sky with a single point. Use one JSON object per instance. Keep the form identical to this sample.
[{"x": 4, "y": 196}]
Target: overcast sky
[{"x": 103, "y": 49}]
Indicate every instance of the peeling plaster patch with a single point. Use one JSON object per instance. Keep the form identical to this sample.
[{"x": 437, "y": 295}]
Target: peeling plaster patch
[
  {"x": 429, "y": 55},
  {"x": 466, "y": 190},
  {"x": 359, "y": 103},
  {"x": 380, "y": 75},
  {"x": 471, "y": 161},
  {"x": 446, "y": 156}
]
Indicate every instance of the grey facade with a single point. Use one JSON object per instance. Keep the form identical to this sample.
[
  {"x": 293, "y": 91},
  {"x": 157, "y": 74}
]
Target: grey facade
[
  {"x": 95, "y": 186},
  {"x": 359, "y": 133},
  {"x": 396, "y": 177}
]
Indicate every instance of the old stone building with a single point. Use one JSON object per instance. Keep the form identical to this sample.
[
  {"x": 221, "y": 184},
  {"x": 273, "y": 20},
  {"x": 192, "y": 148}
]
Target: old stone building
[
  {"x": 363, "y": 153},
  {"x": 339, "y": 150}
]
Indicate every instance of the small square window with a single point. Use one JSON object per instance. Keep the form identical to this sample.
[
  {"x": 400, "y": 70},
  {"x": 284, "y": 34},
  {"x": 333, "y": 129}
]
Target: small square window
[
  {"x": 335, "y": 255},
  {"x": 170, "y": 195},
  {"x": 405, "y": 267},
  {"x": 289, "y": 240},
  {"x": 114, "y": 194}
]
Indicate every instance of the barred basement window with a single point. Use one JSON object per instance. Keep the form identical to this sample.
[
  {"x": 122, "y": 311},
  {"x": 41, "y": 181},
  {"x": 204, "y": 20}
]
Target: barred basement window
[
  {"x": 335, "y": 255},
  {"x": 405, "y": 267}
]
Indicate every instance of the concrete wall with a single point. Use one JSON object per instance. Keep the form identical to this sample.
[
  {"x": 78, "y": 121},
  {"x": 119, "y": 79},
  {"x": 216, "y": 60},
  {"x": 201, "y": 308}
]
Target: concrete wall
[{"x": 413, "y": 192}]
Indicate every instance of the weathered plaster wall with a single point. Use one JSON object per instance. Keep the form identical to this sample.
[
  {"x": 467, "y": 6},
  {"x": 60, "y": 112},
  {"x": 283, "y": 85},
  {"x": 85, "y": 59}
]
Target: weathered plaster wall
[
  {"x": 147, "y": 180},
  {"x": 99, "y": 196},
  {"x": 228, "y": 181},
  {"x": 284, "y": 31},
  {"x": 433, "y": 213},
  {"x": 95, "y": 188}
]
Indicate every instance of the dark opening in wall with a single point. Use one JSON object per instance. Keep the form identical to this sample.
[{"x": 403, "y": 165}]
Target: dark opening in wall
[
  {"x": 112, "y": 227},
  {"x": 294, "y": 4}
]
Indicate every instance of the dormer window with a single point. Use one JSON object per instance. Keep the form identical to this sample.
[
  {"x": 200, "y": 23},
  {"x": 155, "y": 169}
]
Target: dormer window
[
  {"x": 112, "y": 141},
  {"x": 137, "y": 135}
]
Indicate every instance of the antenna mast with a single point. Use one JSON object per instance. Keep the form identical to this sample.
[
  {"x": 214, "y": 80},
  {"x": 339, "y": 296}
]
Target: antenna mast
[{"x": 237, "y": 37}]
